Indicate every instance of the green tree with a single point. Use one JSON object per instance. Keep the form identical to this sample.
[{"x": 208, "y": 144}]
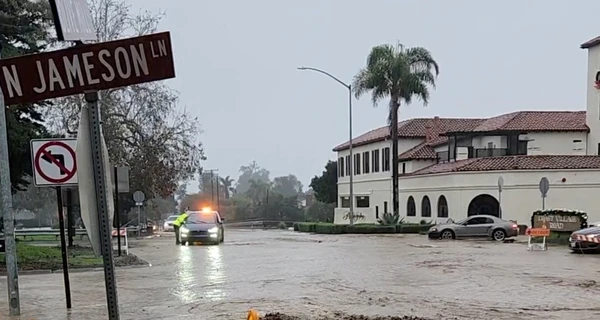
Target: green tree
[
  {"x": 251, "y": 172},
  {"x": 227, "y": 184},
  {"x": 325, "y": 186},
  {"x": 24, "y": 30},
  {"x": 401, "y": 74},
  {"x": 321, "y": 212},
  {"x": 288, "y": 186}
]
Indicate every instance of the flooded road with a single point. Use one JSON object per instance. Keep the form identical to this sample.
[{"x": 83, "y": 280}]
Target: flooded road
[{"x": 310, "y": 275}]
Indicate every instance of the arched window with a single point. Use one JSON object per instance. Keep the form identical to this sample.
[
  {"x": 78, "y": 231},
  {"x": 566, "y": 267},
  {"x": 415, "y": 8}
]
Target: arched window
[
  {"x": 442, "y": 207},
  {"x": 411, "y": 209},
  {"x": 425, "y": 207}
]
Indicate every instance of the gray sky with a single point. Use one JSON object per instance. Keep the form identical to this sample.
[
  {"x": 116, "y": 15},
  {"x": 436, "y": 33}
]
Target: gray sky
[{"x": 236, "y": 67}]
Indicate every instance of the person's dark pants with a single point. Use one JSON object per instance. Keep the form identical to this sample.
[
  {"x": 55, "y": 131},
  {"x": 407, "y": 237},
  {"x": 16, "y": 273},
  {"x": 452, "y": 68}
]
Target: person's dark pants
[{"x": 176, "y": 228}]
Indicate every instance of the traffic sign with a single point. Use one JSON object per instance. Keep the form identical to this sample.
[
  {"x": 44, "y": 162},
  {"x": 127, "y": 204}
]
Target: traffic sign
[
  {"x": 31, "y": 78},
  {"x": 139, "y": 197},
  {"x": 544, "y": 186},
  {"x": 73, "y": 20},
  {"x": 54, "y": 162}
]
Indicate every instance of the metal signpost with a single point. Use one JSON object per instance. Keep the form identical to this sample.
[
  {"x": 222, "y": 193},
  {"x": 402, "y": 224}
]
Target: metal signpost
[
  {"x": 139, "y": 198},
  {"x": 544, "y": 187},
  {"x": 500, "y": 187},
  {"x": 54, "y": 164}
]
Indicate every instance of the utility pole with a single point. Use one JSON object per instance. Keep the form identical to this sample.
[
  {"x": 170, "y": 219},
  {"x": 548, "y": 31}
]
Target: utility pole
[
  {"x": 212, "y": 189},
  {"x": 8, "y": 215}
]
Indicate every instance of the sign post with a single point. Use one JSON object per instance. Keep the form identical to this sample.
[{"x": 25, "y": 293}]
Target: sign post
[
  {"x": 63, "y": 246},
  {"x": 542, "y": 232},
  {"x": 139, "y": 198},
  {"x": 500, "y": 187},
  {"x": 8, "y": 215},
  {"x": 544, "y": 187}
]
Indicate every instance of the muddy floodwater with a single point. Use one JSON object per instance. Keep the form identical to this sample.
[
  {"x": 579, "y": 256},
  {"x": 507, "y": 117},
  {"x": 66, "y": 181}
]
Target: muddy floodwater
[{"x": 328, "y": 277}]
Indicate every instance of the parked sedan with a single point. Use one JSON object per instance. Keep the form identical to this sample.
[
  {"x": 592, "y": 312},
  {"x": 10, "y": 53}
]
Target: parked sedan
[
  {"x": 585, "y": 240},
  {"x": 168, "y": 225},
  {"x": 479, "y": 226}
]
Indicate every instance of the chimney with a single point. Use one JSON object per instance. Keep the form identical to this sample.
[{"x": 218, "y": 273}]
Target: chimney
[
  {"x": 428, "y": 133},
  {"x": 436, "y": 123}
]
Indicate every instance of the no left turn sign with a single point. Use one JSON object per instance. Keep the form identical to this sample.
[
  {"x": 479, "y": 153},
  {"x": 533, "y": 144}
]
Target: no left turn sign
[{"x": 54, "y": 162}]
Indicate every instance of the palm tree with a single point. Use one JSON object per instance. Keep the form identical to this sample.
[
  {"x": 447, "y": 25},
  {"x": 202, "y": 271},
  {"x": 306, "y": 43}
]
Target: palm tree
[
  {"x": 400, "y": 73},
  {"x": 226, "y": 182}
]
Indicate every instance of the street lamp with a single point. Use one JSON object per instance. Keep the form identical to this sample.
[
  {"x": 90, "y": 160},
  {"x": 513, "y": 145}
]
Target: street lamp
[{"x": 349, "y": 87}]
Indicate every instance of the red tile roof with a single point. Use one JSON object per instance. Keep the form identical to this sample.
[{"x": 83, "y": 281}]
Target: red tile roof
[
  {"x": 542, "y": 162},
  {"x": 591, "y": 43},
  {"x": 525, "y": 121},
  {"x": 424, "y": 150}
]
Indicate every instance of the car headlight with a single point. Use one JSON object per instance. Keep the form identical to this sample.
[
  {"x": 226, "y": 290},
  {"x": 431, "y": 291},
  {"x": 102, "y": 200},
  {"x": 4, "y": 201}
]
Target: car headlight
[
  {"x": 433, "y": 229},
  {"x": 213, "y": 230},
  {"x": 184, "y": 230}
]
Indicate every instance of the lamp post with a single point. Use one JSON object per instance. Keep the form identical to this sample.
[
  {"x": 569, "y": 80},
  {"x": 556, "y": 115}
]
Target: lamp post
[{"x": 349, "y": 87}]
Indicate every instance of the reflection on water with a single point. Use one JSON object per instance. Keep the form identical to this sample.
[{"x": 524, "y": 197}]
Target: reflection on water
[
  {"x": 189, "y": 269},
  {"x": 214, "y": 275}
]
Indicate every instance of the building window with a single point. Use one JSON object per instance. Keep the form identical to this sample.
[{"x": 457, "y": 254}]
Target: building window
[
  {"x": 341, "y": 167},
  {"x": 425, "y": 207},
  {"x": 403, "y": 167},
  {"x": 357, "y": 164},
  {"x": 385, "y": 207},
  {"x": 375, "y": 160},
  {"x": 347, "y": 165},
  {"x": 366, "y": 164},
  {"x": 386, "y": 159},
  {"x": 345, "y": 202},
  {"x": 376, "y": 212},
  {"x": 411, "y": 209},
  {"x": 442, "y": 207},
  {"x": 362, "y": 202}
]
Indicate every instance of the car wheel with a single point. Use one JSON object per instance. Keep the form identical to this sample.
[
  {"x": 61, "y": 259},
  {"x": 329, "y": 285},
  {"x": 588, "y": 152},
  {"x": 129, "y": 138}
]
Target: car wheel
[
  {"x": 184, "y": 243},
  {"x": 499, "y": 235},
  {"x": 447, "y": 235},
  {"x": 222, "y": 237}
]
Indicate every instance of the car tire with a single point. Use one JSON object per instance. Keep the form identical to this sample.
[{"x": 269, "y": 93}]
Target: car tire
[
  {"x": 447, "y": 235},
  {"x": 222, "y": 237},
  {"x": 184, "y": 243},
  {"x": 499, "y": 235}
]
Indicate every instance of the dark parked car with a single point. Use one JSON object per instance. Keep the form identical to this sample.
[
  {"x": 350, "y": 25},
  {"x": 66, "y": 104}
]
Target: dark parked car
[
  {"x": 585, "y": 240},
  {"x": 202, "y": 226},
  {"x": 479, "y": 226}
]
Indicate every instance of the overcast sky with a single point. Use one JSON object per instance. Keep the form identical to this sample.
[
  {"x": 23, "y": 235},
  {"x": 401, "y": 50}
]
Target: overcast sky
[{"x": 236, "y": 67}]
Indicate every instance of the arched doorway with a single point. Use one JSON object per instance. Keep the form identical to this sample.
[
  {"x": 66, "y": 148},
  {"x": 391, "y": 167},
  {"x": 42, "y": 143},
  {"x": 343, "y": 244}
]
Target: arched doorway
[{"x": 484, "y": 204}]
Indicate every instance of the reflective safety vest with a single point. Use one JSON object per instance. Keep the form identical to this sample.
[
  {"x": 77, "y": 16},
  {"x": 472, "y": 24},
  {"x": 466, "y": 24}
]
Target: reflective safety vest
[{"x": 180, "y": 220}]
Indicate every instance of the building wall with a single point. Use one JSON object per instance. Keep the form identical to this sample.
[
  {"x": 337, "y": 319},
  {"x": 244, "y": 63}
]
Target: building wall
[
  {"x": 520, "y": 196},
  {"x": 557, "y": 143},
  {"x": 593, "y": 100}
]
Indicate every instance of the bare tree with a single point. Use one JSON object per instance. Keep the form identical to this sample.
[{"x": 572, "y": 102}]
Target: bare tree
[{"x": 144, "y": 126}]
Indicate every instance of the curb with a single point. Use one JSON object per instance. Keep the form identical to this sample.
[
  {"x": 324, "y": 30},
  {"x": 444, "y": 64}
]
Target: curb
[{"x": 75, "y": 270}]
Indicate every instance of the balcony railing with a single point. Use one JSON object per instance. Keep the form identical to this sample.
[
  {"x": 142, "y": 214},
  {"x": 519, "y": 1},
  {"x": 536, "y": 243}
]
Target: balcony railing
[{"x": 490, "y": 152}]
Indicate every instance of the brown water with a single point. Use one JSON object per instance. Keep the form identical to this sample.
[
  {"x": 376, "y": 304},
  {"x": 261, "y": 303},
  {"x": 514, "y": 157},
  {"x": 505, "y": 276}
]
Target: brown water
[{"x": 317, "y": 275}]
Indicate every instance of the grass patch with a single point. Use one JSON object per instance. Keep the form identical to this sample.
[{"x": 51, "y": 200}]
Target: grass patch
[
  {"x": 360, "y": 228},
  {"x": 49, "y": 258}
]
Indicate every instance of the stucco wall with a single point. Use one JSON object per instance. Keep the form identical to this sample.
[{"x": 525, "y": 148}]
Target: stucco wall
[
  {"x": 593, "y": 100},
  {"x": 520, "y": 197},
  {"x": 555, "y": 143}
]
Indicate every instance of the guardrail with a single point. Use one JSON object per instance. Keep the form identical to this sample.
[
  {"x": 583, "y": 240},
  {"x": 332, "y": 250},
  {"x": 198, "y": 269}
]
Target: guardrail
[{"x": 56, "y": 232}]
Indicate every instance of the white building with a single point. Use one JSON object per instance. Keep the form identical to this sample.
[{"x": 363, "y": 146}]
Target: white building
[{"x": 449, "y": 167}]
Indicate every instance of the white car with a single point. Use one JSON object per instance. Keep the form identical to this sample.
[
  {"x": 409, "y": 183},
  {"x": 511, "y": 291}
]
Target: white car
[{"x": 168, "y": 225}]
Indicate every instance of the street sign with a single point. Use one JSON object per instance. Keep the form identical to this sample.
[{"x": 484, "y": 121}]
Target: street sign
[
  {"x": 54, "y": 162},
  {"x": 139, "y": 197},
  {"x": 544, "y": 186},
  {"x": 123, "y": 179},
  {"x": 100, "y": 66},
  {"x": 73, "y": 20},
  {"x": 500, "y": 184}
]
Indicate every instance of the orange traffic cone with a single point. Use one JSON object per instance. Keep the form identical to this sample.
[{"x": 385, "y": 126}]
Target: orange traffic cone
[{"x": 252, "y": 315}]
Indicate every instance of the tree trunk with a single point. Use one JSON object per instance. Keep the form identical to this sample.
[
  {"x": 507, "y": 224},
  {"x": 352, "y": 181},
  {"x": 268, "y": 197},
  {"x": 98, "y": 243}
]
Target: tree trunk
[{"x": 394, "y": 163}]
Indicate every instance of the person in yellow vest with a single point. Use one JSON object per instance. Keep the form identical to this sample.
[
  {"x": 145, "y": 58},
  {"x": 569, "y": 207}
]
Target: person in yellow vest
[{"x": 177, "y": 224}]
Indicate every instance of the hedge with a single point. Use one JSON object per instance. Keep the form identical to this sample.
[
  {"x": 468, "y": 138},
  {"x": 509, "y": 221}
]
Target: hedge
[{"x": 330, "y": 228}]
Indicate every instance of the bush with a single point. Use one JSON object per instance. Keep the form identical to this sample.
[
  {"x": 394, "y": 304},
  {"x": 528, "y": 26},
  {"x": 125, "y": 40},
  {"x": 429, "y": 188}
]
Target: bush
[
  {"x": 413, "y": 228},
  {"x": 282, "y": 225},
  {"x": 330, "y": 228},
  {"x": 307, "y": 226},
  {"x": 370, "y": 228},
  {"x": 296, "y": 226}
]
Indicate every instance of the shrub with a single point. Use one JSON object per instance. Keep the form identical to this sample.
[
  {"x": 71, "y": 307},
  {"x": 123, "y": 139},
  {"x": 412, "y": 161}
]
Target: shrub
[
  {"x": 296, "y": 226},
  {"x": 370, "y": 228},
  {"x": 413, "y": 228},
  {"x": 330, "y": 228},
  {"x": 282, "y": 225},
  {"x": 389, "y": 219},
  {"x": 307, "y": 226}
]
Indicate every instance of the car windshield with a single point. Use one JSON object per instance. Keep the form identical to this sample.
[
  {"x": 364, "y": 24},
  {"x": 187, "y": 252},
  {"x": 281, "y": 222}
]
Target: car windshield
[
  {"x": 171, "y": 218},
  {"x": 195, "y": 218}
]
